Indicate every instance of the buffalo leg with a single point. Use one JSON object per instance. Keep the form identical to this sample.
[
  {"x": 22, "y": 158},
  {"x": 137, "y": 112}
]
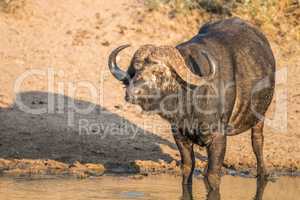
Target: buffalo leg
[
  {"x": 216, "y": 153},
  {"x": 187, "y": 157},
  {"x": 257, "y": 145}
]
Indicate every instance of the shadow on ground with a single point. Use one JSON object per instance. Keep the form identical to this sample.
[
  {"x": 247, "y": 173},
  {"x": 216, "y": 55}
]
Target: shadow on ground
[{"x": 56, "y": 134}]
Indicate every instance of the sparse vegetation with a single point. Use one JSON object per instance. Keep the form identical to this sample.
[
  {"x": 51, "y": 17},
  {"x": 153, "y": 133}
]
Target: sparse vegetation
[
  {"x": 275, "y": 16},
  {"x": 11, "y": 6},
  {"x": 219, "y": 6}
]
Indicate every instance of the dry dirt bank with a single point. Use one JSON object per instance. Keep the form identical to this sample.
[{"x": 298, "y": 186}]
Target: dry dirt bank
[{"x": 73, "y": 39}]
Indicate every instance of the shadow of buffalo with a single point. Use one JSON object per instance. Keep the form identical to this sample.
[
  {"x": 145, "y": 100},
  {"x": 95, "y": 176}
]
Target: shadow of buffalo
[{"x": 37, "y": 129}]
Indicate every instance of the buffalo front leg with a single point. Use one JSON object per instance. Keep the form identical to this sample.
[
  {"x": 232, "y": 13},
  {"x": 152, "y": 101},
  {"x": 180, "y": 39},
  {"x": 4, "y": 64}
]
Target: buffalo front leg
[
  {"x": 257, "y": 145},
  {"x": 187, "y": 157},
  {"x": 216, "y": 153}
]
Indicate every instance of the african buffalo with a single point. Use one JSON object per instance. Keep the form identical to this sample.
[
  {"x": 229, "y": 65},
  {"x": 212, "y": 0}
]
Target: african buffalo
[{"x": 219, "y": 83}]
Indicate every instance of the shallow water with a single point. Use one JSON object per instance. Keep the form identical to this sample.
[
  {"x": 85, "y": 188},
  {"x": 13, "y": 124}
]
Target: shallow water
[{"x": 152, "y": 187}]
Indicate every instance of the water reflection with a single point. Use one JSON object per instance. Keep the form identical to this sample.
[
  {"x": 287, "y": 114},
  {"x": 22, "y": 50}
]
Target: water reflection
[
  {"x": 261, "y": 184},
  {"x": 162, "y": 187},
  {"x": 187, "y": 194},
  {"x": 187, "y": 191}
]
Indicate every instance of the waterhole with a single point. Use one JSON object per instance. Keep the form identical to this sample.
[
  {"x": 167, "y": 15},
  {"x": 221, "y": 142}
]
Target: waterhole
[{"x": 152, "y": 187}]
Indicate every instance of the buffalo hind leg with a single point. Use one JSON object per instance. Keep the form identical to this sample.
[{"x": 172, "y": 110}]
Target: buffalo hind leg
[
  {"x": 187, "y": 157},
  {"x": 216, "y": 153},
  {"x": 257, "y": 145}
]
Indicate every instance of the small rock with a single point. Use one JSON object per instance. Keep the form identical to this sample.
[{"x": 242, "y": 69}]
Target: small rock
[
  {"x": 105, "y": 43},
  {"x": 69, "y": 32},
  {"x": 95, "y": 169},
  {"x": 119, "y": 107}
]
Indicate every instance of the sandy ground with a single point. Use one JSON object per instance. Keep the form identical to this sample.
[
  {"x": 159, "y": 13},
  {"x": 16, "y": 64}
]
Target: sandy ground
[{"x": 52, "y": 51}]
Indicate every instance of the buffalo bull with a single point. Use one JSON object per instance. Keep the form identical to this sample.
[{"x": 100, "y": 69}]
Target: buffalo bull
[{"x": 218, "y": 84}]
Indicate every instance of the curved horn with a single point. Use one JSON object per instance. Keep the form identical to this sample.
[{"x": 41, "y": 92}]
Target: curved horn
[
  {"x": 113, "y": 66},
  {"x": 186, "y": 75}
]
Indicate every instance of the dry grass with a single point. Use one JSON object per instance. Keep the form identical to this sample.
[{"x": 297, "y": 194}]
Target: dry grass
[
  {"x": 277, "y": 17},
  {"x": 11, "y": 6}
]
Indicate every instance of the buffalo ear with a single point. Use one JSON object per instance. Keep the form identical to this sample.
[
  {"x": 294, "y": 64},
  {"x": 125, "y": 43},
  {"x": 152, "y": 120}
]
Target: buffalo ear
[
  {"x": 195, "y": 67},
  {"x": 200, "y": 63},
  {"x": 187, "y": 71}
]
